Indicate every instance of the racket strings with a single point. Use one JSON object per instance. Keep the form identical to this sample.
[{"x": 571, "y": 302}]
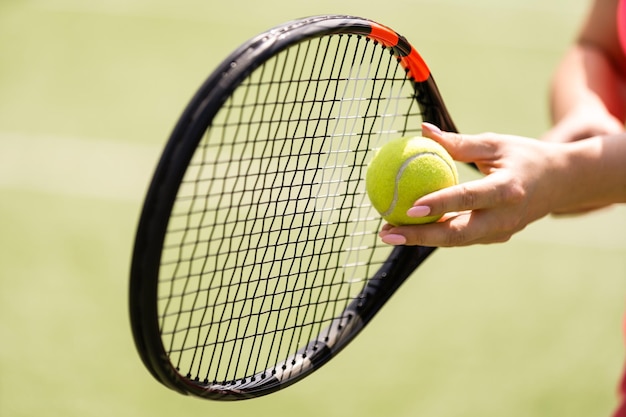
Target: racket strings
[{"x": 271, "y": 235}]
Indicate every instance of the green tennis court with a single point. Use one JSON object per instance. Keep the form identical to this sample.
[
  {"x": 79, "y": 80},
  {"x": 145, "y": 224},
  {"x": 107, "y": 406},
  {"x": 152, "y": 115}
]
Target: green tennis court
[{"x": 89, "y": 92}]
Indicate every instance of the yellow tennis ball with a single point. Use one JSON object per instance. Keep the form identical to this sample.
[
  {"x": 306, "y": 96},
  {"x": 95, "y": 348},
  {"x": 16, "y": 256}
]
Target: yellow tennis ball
[{"x": 404, "y": 170}]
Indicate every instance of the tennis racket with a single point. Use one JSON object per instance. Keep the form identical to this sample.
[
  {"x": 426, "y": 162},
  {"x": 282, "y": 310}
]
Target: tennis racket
[{"x": 256, "y": 257}]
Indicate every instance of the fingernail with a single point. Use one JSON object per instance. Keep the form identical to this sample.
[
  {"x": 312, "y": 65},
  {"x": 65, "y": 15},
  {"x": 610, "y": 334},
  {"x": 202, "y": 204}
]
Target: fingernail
[
  {"x": 432, "y": 128},
  {"x": 418, "y": 211},
  {"x": 394, "y": 240}
]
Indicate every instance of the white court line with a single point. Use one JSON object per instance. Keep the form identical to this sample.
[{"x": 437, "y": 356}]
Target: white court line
[
  {"x": 92, "y": 168},
  {"x": 121, "y": 171}
]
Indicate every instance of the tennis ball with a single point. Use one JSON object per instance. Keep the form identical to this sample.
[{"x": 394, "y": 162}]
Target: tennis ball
[{"x": 404, "y": 170}]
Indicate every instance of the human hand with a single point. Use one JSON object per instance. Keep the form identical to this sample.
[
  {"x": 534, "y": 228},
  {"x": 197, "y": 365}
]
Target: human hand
[{"x": 518, "y": 188}]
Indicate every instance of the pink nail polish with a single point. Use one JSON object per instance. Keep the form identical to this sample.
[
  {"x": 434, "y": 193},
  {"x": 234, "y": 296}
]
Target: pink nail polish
[
  {"x": 394, "y": 240},
  {"x": 432, "y": 128},
  {"x": 418, "y": 211}
]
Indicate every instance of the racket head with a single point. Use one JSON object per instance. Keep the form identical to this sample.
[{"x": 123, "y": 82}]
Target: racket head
[{"x": 256, "y": 260}]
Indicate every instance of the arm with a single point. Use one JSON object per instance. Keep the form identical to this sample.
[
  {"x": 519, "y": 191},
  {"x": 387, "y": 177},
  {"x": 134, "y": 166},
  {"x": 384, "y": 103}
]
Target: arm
[
  {"x": 525, "y": 180},
  {"x": 580, "y": 166},
  {"x": 588, "y": 91}
]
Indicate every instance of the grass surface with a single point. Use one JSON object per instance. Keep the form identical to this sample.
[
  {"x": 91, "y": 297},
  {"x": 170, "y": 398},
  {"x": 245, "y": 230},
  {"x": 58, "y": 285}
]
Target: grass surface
[{"x": 89, "y": 92}]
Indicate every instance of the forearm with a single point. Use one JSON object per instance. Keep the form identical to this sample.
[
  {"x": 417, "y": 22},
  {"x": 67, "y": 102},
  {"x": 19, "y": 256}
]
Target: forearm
[
  {"x": 592, "y": 173},
  {"x": 587, "y": 79}
]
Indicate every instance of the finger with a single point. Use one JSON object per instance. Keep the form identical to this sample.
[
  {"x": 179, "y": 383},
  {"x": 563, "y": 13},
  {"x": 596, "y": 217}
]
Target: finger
[
  {"x": 461, "y": 229},
  {"x": 395, "y": 235},
  {"x": 491, "y": 191},
  {"x": 442, "y": 234},
  {"x": 463, "y": 148}
]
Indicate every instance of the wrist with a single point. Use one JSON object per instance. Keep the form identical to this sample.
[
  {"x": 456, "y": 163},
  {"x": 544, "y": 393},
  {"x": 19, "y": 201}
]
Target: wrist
[{"x": 590, "y": 173}]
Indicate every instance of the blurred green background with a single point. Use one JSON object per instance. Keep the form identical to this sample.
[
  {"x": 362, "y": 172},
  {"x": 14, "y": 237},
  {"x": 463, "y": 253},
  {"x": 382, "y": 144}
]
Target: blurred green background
[{"x": 89, "y": 91}]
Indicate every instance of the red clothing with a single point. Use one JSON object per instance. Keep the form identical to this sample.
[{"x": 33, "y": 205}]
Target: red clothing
[
  {"x": 621, "y": 23},
  {"x": 621, "y": 409},
  {"x": 621, "y": 31}
]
